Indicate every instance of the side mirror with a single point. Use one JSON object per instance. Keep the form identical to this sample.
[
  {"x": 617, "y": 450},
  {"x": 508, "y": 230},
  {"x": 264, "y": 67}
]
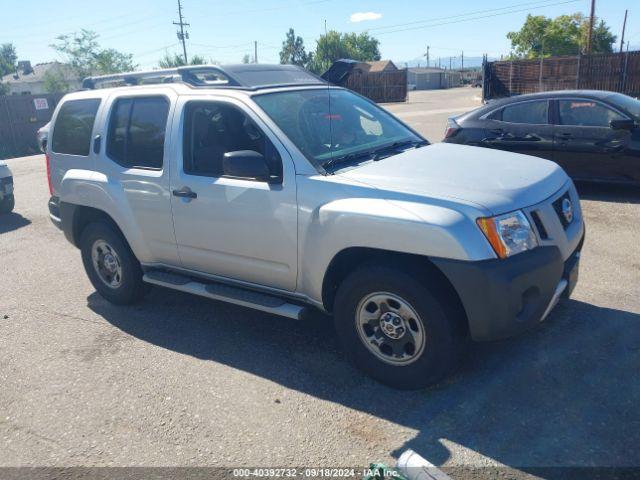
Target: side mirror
[
  {"x": 626, "y": 124},
  {"x": 245, "y": 164}
]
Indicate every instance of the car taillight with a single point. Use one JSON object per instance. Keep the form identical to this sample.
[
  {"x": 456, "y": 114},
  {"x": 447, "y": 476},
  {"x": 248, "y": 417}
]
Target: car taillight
[
  {"x": 451, "y": 131},
  {"x": 49, "y": 174}
]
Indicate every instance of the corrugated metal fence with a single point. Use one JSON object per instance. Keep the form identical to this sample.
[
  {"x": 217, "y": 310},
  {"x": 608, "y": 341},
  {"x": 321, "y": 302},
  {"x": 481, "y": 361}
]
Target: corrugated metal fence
[
  {"x": 381, "y": 87},
  {"x": 617, "y": 72},
  {"x": 20, "y": 118}
]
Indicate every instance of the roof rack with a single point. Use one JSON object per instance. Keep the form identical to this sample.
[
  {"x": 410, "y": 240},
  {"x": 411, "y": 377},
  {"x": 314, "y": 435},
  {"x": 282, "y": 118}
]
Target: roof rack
[{"x": 244, "y": 77}]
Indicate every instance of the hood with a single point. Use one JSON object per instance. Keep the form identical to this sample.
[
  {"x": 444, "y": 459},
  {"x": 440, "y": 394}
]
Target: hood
[{"x": 495, "y": 180}]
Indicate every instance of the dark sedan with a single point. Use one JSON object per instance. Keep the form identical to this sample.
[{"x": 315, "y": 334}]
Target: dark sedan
[{"x": 593, "y": 135}]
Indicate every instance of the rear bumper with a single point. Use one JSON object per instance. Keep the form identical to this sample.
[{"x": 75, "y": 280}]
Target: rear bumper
[
  {"x": 54, "y": 212},
  {"x": 503, "y": 298}
]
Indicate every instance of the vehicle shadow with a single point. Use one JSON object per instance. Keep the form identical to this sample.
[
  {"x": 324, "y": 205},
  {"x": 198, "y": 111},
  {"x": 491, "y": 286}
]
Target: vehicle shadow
[
  {"x": 604, "y": 192},
  {"x": 12, "y": 221},
  {"x": 565, "y": 394}
]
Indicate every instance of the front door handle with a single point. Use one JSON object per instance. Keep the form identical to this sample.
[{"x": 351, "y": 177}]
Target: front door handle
[{"x": 185, "y": 192}]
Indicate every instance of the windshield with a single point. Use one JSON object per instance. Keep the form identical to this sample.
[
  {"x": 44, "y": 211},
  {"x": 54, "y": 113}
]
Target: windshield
[
  {"x": 332, "y": 124},
  {"x": 630, "y": 104}
]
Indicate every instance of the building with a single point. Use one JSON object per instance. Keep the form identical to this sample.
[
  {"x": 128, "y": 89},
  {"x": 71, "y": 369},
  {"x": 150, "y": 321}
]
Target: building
[
  {"x": 432, "y": 78},
  {"x": 35, "y": 80}
]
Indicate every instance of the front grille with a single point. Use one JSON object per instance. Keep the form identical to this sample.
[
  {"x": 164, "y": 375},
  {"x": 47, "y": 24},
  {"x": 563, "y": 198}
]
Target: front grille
[
  {"x": 542, "y": 232},
  {"x": 557, "y": 206}
]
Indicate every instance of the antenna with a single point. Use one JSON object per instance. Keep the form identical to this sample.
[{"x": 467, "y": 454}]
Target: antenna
[{"x": 182, "y": 34}]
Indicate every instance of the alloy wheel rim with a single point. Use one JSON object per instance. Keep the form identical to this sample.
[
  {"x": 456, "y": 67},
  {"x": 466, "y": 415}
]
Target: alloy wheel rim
[
  {"x": 390, "y": 328},
  {"x": 106, "y": 263}
]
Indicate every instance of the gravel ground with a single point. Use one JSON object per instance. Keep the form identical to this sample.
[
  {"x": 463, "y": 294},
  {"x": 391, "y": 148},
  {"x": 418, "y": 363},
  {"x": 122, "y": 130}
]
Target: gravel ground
[{"x": 183, "y": 381}]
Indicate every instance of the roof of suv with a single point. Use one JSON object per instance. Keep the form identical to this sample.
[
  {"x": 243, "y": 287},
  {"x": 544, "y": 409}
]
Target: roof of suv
[{"x": 238, "y": 77}]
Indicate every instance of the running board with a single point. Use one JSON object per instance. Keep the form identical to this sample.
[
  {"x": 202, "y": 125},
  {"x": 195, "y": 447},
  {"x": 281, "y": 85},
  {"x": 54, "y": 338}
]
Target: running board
[{"x": 225, "y": 293}]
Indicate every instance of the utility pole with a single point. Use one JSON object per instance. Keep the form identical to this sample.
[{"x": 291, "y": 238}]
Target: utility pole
[
  {"x": 462, "y": 60},
  {"x": 255, "y": 51},
  {"x": 624, "y": 26},
  {"x": 182, "y": 35},
  {"x": 427, "y": 55},
  {"x": 449, "y": 63},
  {"x": 591, "y": 20}
]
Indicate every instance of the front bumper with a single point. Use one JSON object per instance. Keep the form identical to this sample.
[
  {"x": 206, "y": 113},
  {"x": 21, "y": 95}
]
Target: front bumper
[{"x": 503, "y": 298}]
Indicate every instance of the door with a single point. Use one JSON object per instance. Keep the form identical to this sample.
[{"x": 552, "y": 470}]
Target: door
[
  {"x": 522, "y": 127},
  {"x": 237, "y": 228},
  {"x": 584, "y": 143},
  {"x": 133, "y": 157}
]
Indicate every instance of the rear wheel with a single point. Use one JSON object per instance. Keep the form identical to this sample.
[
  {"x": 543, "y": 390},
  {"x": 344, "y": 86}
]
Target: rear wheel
[
  {"x": 110, "y": 264},
  {"x": 7, "y": 204},
  {"x": 397, "y": 329}
]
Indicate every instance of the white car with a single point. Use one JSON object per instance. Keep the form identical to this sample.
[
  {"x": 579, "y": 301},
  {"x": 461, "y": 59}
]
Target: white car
[
  {"x": 263, "y": 186},
  {"x": 7, "y": 200}
]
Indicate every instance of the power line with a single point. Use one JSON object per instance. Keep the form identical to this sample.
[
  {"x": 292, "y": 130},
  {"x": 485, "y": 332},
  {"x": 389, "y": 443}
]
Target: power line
[
  {"x": 476, "y": 18},
  {"x": 449, "y": 17}
]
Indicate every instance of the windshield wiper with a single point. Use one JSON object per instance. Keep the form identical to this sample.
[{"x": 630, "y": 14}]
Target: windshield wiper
[
  {"x": 374, "y": 154},
  {"x": 389, "y": 150},
  {"x": 332, "y": 162}
]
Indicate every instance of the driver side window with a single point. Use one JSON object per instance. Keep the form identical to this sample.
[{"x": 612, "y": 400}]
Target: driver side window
[{"x": 212, "y": 129}]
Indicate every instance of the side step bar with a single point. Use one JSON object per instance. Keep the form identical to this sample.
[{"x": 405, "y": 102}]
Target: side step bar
[{"x": 225, "y": 293}]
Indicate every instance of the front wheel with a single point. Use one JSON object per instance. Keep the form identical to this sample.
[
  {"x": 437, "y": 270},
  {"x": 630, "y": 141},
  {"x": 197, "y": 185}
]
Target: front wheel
[
  {"x": 110, "y": 264},
  {"x": 399, "y": 330},
  {"x": 7, "y": 204}
]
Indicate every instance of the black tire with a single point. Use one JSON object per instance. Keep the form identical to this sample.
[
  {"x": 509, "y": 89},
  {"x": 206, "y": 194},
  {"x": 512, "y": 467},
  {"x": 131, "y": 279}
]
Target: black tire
[
  {"x": 7, "y": 204},
  {"x": 131, "y": 288},
  {"x": 443, "y": 338}
]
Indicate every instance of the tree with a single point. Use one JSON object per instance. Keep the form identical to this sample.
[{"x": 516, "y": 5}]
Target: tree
[
  {"x": 54, "y": 82},
  {"x": 8, "y": 60},
  {"x": 86, "y": 57},
  {"x": 175, "y": 60},
  {"x": 246, "y": 58},
  {"x": 334, "y": 46},
  {"x": 563, "y": 35},
  {"x": 293, "y": 51}
]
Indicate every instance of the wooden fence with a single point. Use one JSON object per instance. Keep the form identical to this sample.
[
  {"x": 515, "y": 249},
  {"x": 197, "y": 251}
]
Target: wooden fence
[
  {"x": 381, "y": 87},
  {"x": 20, "y": 118},
  {"x": 617, "y": 72}
]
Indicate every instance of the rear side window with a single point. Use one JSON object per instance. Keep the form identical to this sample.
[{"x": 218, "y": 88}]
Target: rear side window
[
  {"x": 527, "y": 112},
  {"x": 73, "y": 127},
  {"x": 136, "y": 132}
]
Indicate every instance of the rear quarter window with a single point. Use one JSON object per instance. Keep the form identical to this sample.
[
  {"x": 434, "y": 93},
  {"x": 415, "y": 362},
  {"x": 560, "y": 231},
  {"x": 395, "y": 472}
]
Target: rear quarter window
[{"x": 73, "y": 127}]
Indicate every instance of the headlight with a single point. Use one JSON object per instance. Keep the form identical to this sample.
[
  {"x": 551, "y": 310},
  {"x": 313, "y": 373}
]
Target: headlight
[{"x": 508, "y": 234}]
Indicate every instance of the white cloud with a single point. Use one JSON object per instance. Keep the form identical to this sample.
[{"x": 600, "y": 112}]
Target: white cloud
[{"x": 364, "y": 16}]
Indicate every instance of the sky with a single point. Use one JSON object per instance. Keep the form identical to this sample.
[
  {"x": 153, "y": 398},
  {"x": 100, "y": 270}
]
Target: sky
[{"x": 226, "y": 31}]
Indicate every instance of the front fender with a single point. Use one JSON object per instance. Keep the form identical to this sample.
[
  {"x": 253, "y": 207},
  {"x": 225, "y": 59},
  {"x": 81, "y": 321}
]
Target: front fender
[{"x": 396, "y": 226}]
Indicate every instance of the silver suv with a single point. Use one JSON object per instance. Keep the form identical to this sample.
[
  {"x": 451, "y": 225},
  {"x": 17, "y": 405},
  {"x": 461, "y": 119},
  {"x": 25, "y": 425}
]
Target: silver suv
[{"x": 265, "y": 187}]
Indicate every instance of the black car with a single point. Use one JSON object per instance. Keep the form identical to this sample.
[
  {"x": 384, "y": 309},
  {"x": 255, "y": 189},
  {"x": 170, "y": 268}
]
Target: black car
[{"x": 593, "y": 135}]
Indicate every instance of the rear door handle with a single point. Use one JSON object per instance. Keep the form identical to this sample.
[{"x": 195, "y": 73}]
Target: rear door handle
[
  {"x": 564, "y": 135},
  {"x": 185, "y": 192},
  {"x": 97, "y": 140}
]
